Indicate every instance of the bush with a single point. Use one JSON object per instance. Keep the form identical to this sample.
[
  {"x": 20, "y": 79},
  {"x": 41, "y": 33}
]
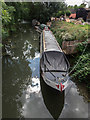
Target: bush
[
  {"x": 0, "y": 45},
  {"x": 81, "y": 46},
  {"x": 82, "y": 70},
  {"x": 60, "y": 13},
  {"x": 67, "y": 37},
  {"x": 5, "y": 33},
  {"x": 7, "y": 19},
  {"x": 68, "y": 12},
  {"x": 68, "y": 31}
]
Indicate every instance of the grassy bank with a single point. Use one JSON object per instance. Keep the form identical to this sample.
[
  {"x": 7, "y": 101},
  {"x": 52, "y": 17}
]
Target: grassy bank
[{"x": 68, "y": 32}]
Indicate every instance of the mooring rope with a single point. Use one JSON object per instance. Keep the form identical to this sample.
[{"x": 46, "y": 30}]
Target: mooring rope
[{"x": 78, "y": 59}]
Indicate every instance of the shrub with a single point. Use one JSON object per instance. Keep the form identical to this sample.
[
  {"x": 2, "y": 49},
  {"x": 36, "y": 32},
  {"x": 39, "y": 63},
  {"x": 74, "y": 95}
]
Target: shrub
[
  {"x": 69, "y": 31},
  {"x": 60, "y": 13},
  {"x": 68, "y": 12},
  {"x": 81, "y": 46},
  {"x": 0, "y": 45},
  {"x": 67, "y": 37},
  {"x": 82, "y": 70}
]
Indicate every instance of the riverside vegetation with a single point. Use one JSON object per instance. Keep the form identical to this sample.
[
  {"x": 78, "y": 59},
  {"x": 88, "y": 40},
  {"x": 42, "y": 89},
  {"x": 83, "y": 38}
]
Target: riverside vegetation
[
  {"x": 15, "y": 12},
  {"x": 64, "y": 31}
]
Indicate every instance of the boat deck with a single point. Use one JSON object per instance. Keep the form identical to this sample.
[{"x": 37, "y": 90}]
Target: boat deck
[
  {"x": 56, "y": 79},
  {"x": 50, "y": 42}
]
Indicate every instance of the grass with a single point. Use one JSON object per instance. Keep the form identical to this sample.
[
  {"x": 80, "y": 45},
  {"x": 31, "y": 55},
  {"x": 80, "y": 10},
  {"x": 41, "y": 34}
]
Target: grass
[{"x": 69, "y": 31}]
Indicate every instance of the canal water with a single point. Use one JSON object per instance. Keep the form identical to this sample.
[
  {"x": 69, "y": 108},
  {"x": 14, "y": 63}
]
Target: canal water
[{"x": 24, "y": 93}]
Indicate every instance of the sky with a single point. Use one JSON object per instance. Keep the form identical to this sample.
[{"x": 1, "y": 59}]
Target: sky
[{"x": 74, "y": 2}]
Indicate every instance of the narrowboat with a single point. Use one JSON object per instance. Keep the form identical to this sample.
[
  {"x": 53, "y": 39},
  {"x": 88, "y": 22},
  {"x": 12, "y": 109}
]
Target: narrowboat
[{"x": 53, "y": 62}]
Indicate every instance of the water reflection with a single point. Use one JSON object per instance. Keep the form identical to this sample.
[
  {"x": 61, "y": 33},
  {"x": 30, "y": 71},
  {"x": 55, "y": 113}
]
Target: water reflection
[
  {"x": 34, "y": 87},
  {"x": 14, "y": 82},
  {"x": 53, "y": 99},
  {"x": 74, "y": 107},
  {"x": 31, "y": 96},
  {"x": 17, "y": 73},
  {"x": 34, "y": 65},
  {"x": 32, "y": 100}
]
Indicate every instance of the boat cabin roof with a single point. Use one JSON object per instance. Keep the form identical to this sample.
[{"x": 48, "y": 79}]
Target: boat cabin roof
[{"x": 50, "y": 42}]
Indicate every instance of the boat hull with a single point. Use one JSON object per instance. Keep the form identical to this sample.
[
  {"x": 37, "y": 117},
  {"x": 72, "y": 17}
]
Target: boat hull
[{"x": 58, "y": 86}]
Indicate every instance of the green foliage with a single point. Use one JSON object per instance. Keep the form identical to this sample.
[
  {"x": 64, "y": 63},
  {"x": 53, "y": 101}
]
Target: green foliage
[
  {"x": 0, "y": 45},
  {"x": 82, "y": 70},
  {"x": 66, "y": 36},
  {"x": 7, "y": 13},
  {"x": 68, "y": 12},
  {"x": 60, "y": 13},
  {"x": 5, "y": 33},
  {"x": 43, "y": 11},
  {"x": 82, "y": 5},
  {"x": 75, "y": 7},
  {"x": 81, "y": 46},
  {"x": 14, "y": 12},
  {"x": 7, "y": 19},
  {"x": 68, "y": 31}
]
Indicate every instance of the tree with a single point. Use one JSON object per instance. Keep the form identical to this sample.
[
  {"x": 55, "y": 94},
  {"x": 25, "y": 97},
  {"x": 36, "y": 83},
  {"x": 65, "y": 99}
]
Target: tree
[
  {"x": 68, "y": 12},
  {"x": 82, "y": 5},
  {"x": 14, "y": 12},
  {"x": 7, "y": 19},
  {"x": 81, "y": 12}
]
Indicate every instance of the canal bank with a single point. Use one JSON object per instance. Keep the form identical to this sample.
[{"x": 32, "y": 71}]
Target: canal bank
[
  {"x": 21, "y": 89},
  {"x": 74, "y": 40}
]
